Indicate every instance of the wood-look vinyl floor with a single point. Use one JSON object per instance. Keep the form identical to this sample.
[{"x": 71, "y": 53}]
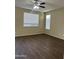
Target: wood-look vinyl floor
[{"x": 39, "y": 47}]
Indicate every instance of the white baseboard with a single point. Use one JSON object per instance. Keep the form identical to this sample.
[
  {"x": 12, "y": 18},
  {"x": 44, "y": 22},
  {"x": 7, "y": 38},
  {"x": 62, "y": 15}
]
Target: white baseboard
[
  {"x": 27, "y": 34},
  {"x": 57, "y": 36},
  {"x": 54, "y": 35}
]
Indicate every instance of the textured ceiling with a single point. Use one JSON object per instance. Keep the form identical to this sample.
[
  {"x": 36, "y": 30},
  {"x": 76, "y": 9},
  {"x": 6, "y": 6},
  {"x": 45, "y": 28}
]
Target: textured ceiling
[{"x": 50, "y": 4}]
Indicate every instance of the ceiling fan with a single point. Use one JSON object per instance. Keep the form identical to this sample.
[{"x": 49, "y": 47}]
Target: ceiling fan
[{"x": 38, "y": 4}]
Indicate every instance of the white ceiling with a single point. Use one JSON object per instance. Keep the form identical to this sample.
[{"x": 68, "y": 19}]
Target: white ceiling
[{"x": 50, "y": 4}]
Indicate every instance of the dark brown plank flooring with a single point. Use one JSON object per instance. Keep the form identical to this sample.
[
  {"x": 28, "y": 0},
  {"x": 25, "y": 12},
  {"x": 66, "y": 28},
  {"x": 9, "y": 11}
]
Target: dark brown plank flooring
[{"x": 39, "y": 47}]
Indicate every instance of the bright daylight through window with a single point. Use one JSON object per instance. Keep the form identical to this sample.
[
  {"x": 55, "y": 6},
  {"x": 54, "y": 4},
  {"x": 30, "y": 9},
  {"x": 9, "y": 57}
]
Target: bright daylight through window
[
  {"x": 48, "y": 21},
  {"x": 31, "y": 20}
]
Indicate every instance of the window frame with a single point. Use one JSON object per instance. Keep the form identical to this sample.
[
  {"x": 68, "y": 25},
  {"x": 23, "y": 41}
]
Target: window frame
[{"x": 38, "y": 20}]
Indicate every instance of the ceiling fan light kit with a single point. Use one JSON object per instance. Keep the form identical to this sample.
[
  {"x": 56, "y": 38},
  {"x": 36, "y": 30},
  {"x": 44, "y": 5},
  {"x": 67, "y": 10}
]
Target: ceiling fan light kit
[
  {"x": 35, "y": 7},
  {"x": 38, "y": 4}
]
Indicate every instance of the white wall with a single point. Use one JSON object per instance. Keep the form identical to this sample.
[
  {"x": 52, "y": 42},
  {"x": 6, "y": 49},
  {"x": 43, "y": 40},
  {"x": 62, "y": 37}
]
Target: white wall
[
  {"x": 57, "y": 23},
  {"x": 23, "y": 31}
]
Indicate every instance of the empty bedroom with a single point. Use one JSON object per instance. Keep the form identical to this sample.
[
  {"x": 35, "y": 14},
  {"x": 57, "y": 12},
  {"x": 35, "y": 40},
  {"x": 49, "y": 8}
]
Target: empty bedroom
[{"x": 39, "y": 29}]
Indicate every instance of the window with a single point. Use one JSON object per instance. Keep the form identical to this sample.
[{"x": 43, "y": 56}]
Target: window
[
  {"x": 31, "y": 20},
  {"x": 48, "y": 21}
]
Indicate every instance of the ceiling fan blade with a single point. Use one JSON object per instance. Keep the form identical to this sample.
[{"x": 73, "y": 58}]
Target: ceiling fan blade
[
  {"x": 42, "y": 3},
  {"x": 36, "y": 0},
  {"x": 42, "y": 6}
]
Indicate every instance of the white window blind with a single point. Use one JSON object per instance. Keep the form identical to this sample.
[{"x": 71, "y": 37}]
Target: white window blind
[
  {"x": 48, "y": 22},
  {"x": 31, "y": 20}
]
